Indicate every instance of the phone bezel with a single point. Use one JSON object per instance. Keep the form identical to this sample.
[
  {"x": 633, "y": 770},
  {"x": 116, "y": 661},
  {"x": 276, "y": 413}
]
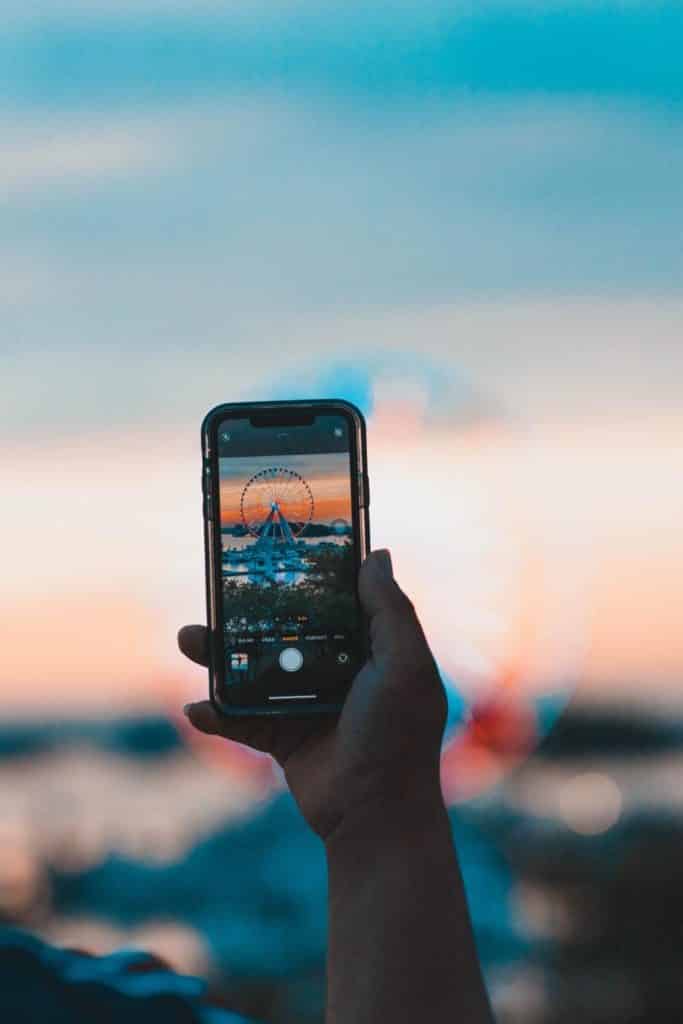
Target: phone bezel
[{"x": 212, "y": 538}]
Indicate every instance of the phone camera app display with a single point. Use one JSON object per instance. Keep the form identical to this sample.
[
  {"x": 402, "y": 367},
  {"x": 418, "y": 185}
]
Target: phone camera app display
[{"x": 289, "y": 562}]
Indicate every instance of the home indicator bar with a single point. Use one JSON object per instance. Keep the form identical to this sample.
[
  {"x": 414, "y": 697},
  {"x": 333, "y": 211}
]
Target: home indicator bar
[{"x": 294, "y": 696}]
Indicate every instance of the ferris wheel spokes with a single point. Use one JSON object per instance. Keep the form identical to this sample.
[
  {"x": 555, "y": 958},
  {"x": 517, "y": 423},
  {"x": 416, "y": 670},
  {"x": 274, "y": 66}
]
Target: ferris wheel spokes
[{"x": 277, "y": 490}]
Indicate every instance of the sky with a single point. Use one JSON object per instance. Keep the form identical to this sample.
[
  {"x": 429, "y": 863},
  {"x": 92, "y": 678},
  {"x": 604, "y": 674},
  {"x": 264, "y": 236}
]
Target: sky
[
  {"x": 469, "y": 218},
  {"x": 326, "y": 476}
]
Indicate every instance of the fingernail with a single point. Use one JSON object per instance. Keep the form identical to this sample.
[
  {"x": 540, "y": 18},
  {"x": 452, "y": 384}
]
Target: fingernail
[
  {"x": 186, "y": 709},
  {"x": 383, "y": 563}
]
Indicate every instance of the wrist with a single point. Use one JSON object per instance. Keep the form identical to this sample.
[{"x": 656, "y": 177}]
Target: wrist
[{"x": 392, "y": 818}]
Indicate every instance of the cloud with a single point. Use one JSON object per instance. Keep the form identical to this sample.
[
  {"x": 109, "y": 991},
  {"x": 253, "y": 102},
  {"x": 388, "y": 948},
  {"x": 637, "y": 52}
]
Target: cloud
[
  {"x": 44, "y": 154},
  {"x": 74, "y": 158},
  {"x": 261, "y": 205},
  {"x": 534, "y": 361},
  {"x": 437, "y": 387},
  {"x": 532, "y": 247}
]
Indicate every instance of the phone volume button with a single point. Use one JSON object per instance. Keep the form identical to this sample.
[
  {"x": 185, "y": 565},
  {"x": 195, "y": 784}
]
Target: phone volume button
[
  {"x": 207, "y": 492},
  {"x": 212, "y": 585}
]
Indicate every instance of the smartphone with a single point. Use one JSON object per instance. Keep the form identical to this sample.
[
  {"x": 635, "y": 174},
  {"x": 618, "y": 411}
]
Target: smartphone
[{"x": 286, "y": 527}]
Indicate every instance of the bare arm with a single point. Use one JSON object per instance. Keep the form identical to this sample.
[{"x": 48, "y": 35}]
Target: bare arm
[
  {"x": 401, "y": 949},
  {"x": 400, "y": 942}
]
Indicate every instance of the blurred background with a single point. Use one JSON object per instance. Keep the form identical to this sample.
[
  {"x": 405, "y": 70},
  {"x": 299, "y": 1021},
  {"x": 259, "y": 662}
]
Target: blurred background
[{"x": 468, "y": 219}]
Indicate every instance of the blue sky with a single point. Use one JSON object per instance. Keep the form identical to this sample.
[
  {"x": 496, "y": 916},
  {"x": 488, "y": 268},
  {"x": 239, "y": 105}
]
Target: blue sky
[
  {"x": 204, "y": 199},
  {"x": 388, "y": 51}
]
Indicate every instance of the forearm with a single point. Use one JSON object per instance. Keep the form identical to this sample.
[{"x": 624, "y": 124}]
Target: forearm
[{"x": 400, "y": 941}]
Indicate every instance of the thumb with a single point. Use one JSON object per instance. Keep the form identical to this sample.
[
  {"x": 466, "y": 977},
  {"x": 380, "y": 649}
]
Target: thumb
[{"x": 393, "y": 623}]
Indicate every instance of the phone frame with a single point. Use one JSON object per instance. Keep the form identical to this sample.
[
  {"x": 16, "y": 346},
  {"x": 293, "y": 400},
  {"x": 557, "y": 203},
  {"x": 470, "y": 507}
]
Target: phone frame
[{"x": 360, "y": 500}]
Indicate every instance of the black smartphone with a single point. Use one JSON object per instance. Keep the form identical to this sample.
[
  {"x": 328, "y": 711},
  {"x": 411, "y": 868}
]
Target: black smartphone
[{"x": 286, "y": 527}]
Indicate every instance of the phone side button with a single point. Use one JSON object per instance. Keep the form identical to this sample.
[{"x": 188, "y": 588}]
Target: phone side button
[
  {"x": 212, "y": 586},
  {"x": 365, "y": 490},
  {"x": 208, "y": 499}
]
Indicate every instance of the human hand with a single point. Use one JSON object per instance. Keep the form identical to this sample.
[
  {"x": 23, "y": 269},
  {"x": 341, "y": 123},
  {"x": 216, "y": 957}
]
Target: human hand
[{"x": 385, "y": 744}]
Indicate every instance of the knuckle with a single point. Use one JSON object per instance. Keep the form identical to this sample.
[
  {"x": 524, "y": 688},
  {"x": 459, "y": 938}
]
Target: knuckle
[{"x": 402, "y": 603}]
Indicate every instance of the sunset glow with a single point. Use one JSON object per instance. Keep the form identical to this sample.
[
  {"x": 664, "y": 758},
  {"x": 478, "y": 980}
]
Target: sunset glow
[
  {"x": 331, "y": 486},
  {"x": 556, "y": 554}
]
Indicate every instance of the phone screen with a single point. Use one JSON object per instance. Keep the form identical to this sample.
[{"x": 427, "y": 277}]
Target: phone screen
[{"x": 289, "y": 561}]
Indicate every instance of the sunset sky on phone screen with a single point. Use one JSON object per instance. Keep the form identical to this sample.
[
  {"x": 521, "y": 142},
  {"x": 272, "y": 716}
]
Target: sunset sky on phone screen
[{"x": 327, "y": 474}]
